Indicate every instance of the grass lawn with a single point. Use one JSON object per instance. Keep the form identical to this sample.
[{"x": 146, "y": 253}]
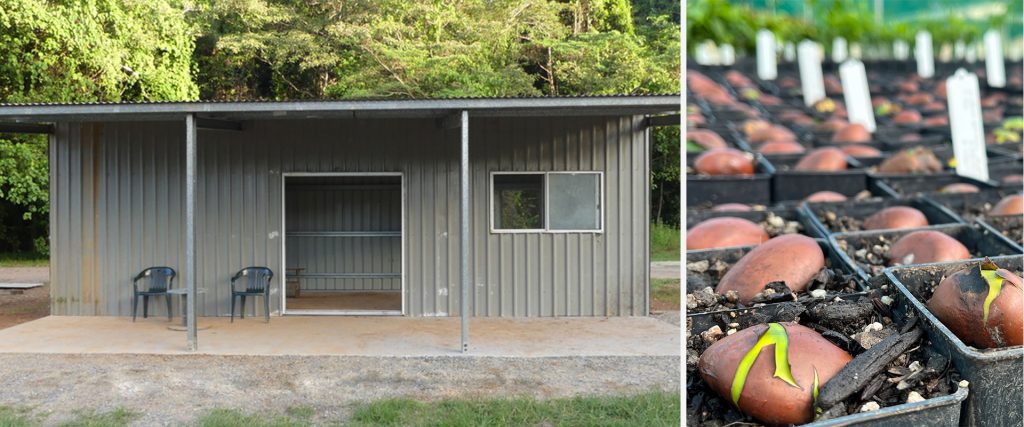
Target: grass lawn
[
  {"x": 654, "y": 408},
  {"x": 664, "y": 243},
  {"x": 22, "y": 259},
  {"x": 665, "y": 294},
  {"x": 648, "y": 409}
]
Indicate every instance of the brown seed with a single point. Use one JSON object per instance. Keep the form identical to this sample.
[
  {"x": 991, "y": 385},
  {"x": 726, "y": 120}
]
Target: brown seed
[
  {"x": 724, "y": 232},
  {"x": 792, "y": 258},
  {"x": 764, "y": 396},
  {"x": 960, "y": 187},
  {"x": 705, "y": 138},
  {"x": 825, "y": 196},
  {"x": 1009, "y": 205},
  {"x": 854, "y": 132},
  {"x": 959, "y": 302},
  {"x": 731, "y": 207},
  {"x": 922, "y": 247},
  {"x": 781, "y": 147},
  {"x": 896, "y": 217},
  {"x": 824, "y": 159},
  {"x": 907, "y": 117},
  {"x": 916, "y": 160},
  {"x": 860, "y": 150},
  {"x": 724, "y": 161}
]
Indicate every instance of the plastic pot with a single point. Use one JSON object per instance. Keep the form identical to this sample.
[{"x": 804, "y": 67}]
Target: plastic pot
[
  {"x": 979, "y": 243},
  {"x": 790, "y": 213},
  {"x": 994, "y": 374},
  {"x": 714, "y": 190},
  {"x": 904, "y": 184},
  {"x": 997, "y": 225},
  {"x": 833, "y": 260},
  {"x": 965, "y": 207},
  {"x": 864, "y": 208},
  {"x": 937, "y": 411}
]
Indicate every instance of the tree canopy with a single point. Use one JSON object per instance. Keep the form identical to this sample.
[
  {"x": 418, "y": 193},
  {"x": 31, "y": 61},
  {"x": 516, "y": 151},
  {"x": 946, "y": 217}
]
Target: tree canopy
[{"x": 132, "y": 50}]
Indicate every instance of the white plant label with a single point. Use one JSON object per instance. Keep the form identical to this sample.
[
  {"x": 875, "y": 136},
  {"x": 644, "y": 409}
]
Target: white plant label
[
  {"x": 839, "y": 53},
  {"x": 966, "y": 125},
  {"x": 767, "y": 69},
  {"x": 995, "y": 68},
  {"x": 945, "y": 52},
  {"x": 856, "y": 51},
  {"x": 811, "y": 81},
  {"x": 856, "y": 95},
  {"x": 714, "y": 57},
  {"x": 900, "y": 49},
  {"x": 789, "y": 52},
  {"x": 728, "y": 54},
  {"x": 924, "y": 54}
]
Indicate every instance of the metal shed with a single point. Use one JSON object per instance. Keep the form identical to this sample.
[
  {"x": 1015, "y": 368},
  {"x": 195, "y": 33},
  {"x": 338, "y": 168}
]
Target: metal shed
[{"x": 476, "y": 207}]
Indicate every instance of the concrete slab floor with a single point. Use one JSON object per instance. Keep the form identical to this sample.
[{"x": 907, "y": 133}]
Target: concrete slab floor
[{"x": 353, "y": 336}]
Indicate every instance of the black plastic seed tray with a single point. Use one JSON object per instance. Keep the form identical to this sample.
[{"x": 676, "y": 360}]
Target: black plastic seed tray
[
  {"x": 903, "y": 184},
  {"x": 789, "y": 213},
  {"x": 789, "y": 184},
  {"x": 1010, "y": 228},
  {"x": 996, "y": 385},
  {"x": 967, "y": 206},
  {"x": 861, "y": 209},
  {"x": 833, "y": 260},
  {"x": 937, "y": 411},
  {"x": 979, "y": 243},
  {"x": 706, "y": 191}
]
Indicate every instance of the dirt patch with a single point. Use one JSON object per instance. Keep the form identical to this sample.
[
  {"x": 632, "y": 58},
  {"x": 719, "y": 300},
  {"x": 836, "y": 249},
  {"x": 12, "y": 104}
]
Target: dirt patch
[
  {"x": 25, "y": 274},
  {"x": 30, "y": 304},
  {"x": 176, "y": 390},
  {"x": 872, "y": 253}
]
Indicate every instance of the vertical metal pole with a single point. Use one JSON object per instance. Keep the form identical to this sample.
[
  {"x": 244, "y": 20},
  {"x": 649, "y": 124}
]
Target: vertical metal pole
[
  {"x": 190, "y": 229},
  {"x": 464, "y": 232}
]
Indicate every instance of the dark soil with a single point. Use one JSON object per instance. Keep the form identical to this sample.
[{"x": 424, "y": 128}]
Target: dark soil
[
  {"x": 919, "y": 369},
  {"x": 840, "y": 223},
  {"x": 1010, "y": 226}
]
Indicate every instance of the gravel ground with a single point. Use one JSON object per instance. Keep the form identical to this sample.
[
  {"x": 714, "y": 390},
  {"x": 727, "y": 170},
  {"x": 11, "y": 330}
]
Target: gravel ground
[
  {"x": 174, "y": 390},
  {"x": 665, "y": 270},
  {"x": 25, "y": 274}
]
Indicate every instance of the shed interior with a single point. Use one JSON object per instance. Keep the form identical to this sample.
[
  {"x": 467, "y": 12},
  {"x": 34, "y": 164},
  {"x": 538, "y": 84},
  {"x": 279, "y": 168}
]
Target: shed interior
[{"x": 343, "y": 244}]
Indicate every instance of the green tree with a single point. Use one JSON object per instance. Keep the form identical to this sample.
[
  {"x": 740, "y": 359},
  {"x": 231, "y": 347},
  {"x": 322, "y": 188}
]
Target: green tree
[{"x": 79, "y": 51}]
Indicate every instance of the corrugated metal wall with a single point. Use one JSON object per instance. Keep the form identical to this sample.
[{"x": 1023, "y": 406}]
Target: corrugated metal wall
[
  {"x": 344, "y": 204},
  {"x": 116, "y": 199}
]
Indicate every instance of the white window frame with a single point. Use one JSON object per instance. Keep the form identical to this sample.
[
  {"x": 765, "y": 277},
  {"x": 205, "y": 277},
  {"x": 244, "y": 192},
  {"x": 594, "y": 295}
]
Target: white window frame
[{"x": 491, "y": 200}]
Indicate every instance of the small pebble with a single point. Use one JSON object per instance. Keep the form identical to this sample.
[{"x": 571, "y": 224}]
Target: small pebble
[
  {"x": 818, "y": 293},
  {"x": 734, "y": 325},
  {"x": 886, "y": 300},
  {"x": 712, "y": 334},
  {"x": 732, "y": 296},
  {"x": 730, "y": 331},
  {"x": 915, "y": 366},
  {"x": 698, "y": 266},
  {"x": 873, "y": 327},
  {"x": 860, "y": 253},
  {"x": 914, "y": 397},
  {"x": 870, "y": 406},
  {"x": 964, "y": 384}
]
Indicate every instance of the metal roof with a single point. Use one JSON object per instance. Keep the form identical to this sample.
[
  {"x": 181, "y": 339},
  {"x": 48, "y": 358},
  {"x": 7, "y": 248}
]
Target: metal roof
[{"x": 594, "y": 105}]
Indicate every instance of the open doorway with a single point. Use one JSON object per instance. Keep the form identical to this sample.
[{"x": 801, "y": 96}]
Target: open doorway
[{"x": 343, "y": 243}]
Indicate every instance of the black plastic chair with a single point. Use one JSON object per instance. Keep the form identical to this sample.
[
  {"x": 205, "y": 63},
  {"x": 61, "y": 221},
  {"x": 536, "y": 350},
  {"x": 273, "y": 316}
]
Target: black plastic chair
[
  {"x": 257, "y": 283},
  {"x": 160, "y": 281}
]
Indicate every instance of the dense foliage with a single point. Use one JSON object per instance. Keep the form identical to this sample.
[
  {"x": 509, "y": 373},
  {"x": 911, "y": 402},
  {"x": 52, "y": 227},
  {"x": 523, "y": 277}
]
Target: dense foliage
[
  {"x": 127, "y": 50},
  {"x": 724, "y": 21}
]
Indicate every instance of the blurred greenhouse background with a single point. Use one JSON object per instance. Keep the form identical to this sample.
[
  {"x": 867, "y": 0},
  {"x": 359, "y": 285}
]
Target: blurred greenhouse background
[{"x": 867, "y": 22}]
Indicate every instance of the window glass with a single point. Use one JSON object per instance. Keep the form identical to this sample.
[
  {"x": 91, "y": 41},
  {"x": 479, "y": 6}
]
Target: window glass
[
  {"x": 519, "y": 201},
  {"x": 575, "y": 201}
]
